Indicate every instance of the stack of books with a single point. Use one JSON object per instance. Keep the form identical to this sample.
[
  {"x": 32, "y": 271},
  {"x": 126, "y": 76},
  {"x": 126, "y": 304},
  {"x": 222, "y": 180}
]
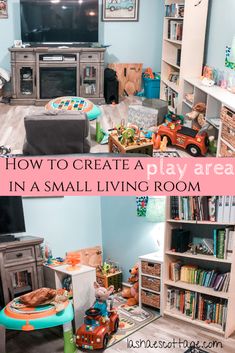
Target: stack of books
[
  {"x": 204, "y": 208},
  {"x": 198, "y": 276},
  {"x": 197, "y": 306},
  {"x": 174, "y": 10},
  {"x": 175, "y": 30},
  {"x": 223, "y": 243},
  {"x": 172, "y": 99}
]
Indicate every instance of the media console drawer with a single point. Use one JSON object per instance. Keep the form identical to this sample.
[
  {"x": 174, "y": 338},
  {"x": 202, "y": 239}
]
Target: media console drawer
[
  {"x": 25, "y": 56},
  {"x": 20, "y": 255},
  {"x": 89, "y": 57}
]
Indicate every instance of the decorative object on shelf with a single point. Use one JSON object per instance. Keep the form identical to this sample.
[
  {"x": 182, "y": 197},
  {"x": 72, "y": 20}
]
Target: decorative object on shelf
[
  {"x": 197, "y": 116},
  {"x": 132, "y": 294},
  {"x": 141, "y": 203},
  {"x": 3, "y": 9},
  {"x": 18, "y": 43},
  {"x": 156, "y": 209},
  {"x": 230, "y": 56},
  {"x": 207, "y": 82},
  {"x": 74, "y": 260},
  {"x": 120, "y": 10},
  {"x": 75, "y": 103}
]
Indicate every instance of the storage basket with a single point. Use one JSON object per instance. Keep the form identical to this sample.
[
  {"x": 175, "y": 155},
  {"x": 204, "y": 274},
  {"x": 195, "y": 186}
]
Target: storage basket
[
  {"x": 150, "y": 268},
  {"x": 228, "y": 117},
  {"x": 228, "y": 134},
  {"x": 151, "y": 283},
  {"x": 225, "y": 151},
  {"x": 152, "y": 87},
  {"x": 150, "y": 299}
]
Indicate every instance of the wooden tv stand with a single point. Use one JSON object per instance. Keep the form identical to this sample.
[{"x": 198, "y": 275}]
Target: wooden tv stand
[
  {"x": 21, "y": 267},
  {"x": 42, "y": 73}
]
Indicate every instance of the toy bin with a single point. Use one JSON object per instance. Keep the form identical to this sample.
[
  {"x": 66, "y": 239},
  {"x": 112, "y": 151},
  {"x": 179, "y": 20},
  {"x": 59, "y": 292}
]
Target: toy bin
[{"x": 152, "y": 87}]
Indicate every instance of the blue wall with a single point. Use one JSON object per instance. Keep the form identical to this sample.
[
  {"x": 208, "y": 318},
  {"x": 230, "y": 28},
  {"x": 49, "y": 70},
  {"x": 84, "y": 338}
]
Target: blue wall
[
  {"x": 67, "y": 223},
  {"x": 131, "y": 42},
  {"x": 125, "y": 236},
  {"x": 221, "y": 29}
]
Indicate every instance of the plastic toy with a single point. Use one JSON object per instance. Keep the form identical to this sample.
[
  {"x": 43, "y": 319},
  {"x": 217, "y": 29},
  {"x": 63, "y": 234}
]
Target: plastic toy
[
  {"x": 163, "y": 144},
  {"x": 132, "y": 294},
  {"x": 149, "y": 73},
  {"x": 127, "y": 137},
  {"x": 75, "y": 103},
  {"x": 73, "y": 258},
  {"x": 194, "y": 142},
  {"x": 99, "y": 323}
]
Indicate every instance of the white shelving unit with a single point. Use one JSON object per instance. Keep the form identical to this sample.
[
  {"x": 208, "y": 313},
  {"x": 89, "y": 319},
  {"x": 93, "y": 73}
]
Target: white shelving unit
[
  {"x": 227, "y": 265},
  {"x": 215, "y": 99},
  {"x": 151, "y": 259},
  {"x": 191, "y": 46},
  {"x": 82, "y": 279}
]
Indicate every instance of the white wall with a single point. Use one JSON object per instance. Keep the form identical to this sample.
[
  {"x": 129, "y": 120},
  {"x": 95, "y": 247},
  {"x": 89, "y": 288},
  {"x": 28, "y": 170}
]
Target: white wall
[{"x": 66, "y": 223}]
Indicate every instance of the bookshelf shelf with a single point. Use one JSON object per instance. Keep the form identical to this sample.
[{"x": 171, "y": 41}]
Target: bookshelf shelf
[
  {"x": 197, "y": 288},
  {"x": 172, "y": 85},
  {"x": 185, "y": 55},
  {"x": 198, "y": 257},
  {"x": 200, "y": 222},
  {"x": 177, "y": 315},
  {"x": 203, "y": 230}
]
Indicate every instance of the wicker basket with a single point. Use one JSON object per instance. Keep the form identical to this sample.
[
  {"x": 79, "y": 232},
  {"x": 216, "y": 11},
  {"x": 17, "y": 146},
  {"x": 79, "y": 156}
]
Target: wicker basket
[
  {"x": 225, "y": 151},
  {"x": 150, "y": 268},
  {"x": 228, "y": 117},
  {"x": 228, "y": 134},
  {"x": 151, "y": 283},
  {"x": 150, "y": 299}
]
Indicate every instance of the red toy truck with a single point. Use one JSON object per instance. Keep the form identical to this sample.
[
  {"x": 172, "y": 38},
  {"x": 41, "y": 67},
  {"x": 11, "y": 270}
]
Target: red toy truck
[
  {"x": 194, "y": 142},
  {"x": 95, "y": 333}
]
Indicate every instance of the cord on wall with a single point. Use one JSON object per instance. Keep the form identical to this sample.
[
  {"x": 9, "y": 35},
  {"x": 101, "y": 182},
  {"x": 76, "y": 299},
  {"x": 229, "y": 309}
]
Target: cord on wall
[{"x": 198, "y": 3}]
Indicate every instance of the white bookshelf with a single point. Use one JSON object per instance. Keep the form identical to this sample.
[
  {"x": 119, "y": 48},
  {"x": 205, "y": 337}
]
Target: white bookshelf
[
  {"x": 215, "y": 99},
  {"x": 202, "y": 228},
  {"x": 192, "y": 47}
]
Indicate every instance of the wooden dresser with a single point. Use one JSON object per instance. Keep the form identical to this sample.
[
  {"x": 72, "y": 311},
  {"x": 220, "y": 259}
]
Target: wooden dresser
[{"x": 21, "y": 267}]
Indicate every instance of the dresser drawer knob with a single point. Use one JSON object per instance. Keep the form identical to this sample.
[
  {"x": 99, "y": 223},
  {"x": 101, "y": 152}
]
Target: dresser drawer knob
[{"x": 19, "y": 255}]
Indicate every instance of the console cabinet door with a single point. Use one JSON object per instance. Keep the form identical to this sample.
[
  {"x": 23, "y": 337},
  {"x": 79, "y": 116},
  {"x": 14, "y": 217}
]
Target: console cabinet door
[
  {"x": 90, "y": 80},
  {"x": 25, "y": 81}
]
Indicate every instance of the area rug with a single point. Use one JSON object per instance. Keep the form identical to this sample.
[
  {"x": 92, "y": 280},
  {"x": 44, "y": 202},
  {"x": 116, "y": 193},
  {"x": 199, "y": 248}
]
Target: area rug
[
  {"x": 132, "y": 319},
  {"x": 167, "y": 154},
  {"x": 195, "y": 350}
]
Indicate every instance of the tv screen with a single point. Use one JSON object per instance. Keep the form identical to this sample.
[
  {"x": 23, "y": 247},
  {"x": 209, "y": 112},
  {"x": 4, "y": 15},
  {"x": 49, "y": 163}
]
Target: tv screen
[
  {"x": 59, "y": 21},
  {"x": 11, "y": 215}
]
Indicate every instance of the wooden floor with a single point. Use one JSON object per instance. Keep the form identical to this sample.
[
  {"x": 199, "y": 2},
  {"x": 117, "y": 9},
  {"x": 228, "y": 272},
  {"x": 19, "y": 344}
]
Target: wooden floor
[
  {"x": 164, "y": 329},
  {"x": 12, "y": 133}
]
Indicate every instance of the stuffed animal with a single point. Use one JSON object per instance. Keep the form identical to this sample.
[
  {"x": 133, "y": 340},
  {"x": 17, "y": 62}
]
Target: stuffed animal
[
  {"x": 45, "y": 296},
  {"x": 197, "y": 116},
  {"x": 132, "y": 294},
  {"x": 102, "y": 294}
]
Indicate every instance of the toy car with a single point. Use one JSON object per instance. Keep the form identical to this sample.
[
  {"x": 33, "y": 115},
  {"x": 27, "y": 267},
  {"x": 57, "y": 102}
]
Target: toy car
[
  {"x": 113, "y": 5},
  {"x": 194, "y": 142},
  {"x": 95, "y": 332}
]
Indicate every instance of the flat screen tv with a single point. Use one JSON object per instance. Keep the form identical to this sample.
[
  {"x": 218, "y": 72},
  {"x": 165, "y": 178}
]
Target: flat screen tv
[
  {"x": 11, "y": 215},
  {"x": 59, "y": 21}
]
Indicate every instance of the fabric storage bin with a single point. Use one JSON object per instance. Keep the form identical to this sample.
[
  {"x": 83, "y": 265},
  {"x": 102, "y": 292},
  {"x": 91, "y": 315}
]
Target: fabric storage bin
[
  {"x": 228, "y": 134},
  {"x": 143, "y": 117},
  {"x": 151, "y": 283},
  {"x": 150, "y": 299},
  {"x": 150, "y": 268},
  {"x": 225, "y": 151},
  {"x": 228, "y": 117}
]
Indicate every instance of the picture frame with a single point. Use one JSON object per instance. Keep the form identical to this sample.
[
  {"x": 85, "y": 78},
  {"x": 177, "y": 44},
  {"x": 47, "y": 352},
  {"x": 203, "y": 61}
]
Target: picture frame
[
  {"x": 120, "y": 10},
  {"x": 3, "y": 9}
]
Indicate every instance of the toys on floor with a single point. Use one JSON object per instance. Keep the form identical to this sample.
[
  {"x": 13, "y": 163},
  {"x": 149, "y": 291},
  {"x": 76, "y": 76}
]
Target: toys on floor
[
  {"x": 109, "y": 274},
  {"x": 132, "y": 294},
  {"x": 149, "y": 73},
  {"x": 194, "y": 142},
  {"x": 99, "y": 322}
]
